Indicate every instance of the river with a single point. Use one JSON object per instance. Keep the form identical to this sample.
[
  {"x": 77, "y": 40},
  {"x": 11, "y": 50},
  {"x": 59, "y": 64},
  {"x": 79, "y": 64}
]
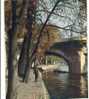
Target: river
[{"x": 65, "y": 86}]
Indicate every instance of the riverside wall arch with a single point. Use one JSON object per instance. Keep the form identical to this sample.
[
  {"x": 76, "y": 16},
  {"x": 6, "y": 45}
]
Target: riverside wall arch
[
  {"x": 72, "y": 52},
  {"x": 72, "y": 58},
  {"x": 61, "y": 55}
]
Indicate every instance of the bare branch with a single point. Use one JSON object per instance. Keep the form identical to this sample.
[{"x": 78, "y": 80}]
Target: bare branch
[{"x": 64, "y": 28}]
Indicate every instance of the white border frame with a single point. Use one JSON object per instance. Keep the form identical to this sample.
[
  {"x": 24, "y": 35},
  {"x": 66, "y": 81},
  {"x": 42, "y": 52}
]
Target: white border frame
[{"x": 3, "y": 53}]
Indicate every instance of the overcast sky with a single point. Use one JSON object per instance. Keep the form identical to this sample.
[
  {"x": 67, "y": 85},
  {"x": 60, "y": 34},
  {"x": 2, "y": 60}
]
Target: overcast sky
[{"x": 69, "y": 9}]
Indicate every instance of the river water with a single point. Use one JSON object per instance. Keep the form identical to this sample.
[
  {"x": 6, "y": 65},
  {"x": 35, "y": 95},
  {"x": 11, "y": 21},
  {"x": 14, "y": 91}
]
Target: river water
[{"x": 65, "y": 86}]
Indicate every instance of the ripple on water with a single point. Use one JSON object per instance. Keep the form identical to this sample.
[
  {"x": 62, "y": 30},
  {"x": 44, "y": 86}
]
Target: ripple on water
[{"x": 62, "y": 84}]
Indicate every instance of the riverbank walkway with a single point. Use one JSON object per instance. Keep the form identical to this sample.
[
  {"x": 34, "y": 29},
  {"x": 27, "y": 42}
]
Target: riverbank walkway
[{"x": 32, "y": 89}]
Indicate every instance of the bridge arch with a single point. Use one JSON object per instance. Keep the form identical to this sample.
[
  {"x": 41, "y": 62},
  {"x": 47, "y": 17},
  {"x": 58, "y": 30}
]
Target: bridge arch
[{"x": 61, "y": 55}]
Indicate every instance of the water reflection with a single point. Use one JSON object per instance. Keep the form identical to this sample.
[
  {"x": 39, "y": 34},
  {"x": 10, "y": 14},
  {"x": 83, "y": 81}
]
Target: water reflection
[{"x": 65, "y": 86}]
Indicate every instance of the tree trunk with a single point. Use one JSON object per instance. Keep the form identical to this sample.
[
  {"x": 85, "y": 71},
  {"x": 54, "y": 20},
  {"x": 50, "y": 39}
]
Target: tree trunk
[
  {"x": 11, "y": 53},
  {"x": 24, "y": 55}
]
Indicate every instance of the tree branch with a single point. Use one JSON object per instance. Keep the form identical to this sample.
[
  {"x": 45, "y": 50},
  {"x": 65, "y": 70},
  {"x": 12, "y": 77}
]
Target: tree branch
[
  {"x": 38, "y": 40},
  {"x": 40, "y": 34},
  {"x": 64, "y": 28}
]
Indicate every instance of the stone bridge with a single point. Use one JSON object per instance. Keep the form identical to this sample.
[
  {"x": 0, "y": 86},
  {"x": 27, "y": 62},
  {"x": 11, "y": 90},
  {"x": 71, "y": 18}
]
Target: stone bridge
[{"x": 73, "y": 52}]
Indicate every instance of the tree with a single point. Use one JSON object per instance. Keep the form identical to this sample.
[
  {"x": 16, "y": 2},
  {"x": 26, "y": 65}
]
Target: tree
[
  {"x": 24, "y": 57},
  {"x": 11, "y": 49},
  {"x": 11, "y": 33}
]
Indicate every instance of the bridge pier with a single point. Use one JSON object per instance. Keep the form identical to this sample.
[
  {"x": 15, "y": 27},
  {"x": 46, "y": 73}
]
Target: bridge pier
[{"x": 76, "y": 59}]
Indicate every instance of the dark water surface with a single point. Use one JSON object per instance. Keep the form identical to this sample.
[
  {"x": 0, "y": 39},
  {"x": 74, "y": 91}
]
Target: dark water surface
[{"x": 66, "y": 86}]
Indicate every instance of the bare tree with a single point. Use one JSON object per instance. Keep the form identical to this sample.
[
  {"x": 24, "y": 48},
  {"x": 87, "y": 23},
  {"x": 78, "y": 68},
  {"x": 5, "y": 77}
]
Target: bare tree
[{"x": 11, "y": 51}]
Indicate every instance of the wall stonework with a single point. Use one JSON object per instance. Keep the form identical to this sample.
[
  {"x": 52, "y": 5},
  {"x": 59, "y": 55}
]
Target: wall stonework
[{"x": 76, "y": 58}]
